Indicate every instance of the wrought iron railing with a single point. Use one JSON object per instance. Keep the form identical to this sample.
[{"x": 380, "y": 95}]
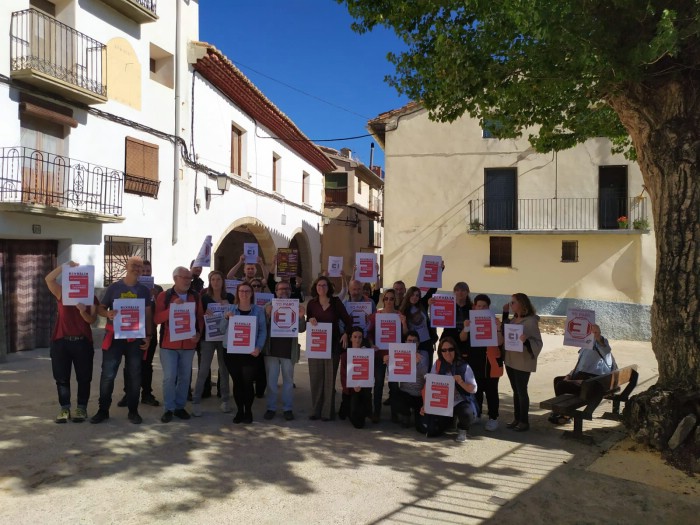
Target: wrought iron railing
[
  {"x": 575, "y": 213},
  {"x": 141, "y": 186},
  {"x": 336, "y": 195},
  {"x": 29, "y": 176},
  {"x": 375, "y": 240},
  {"x": 42, "y": 43},
  {"x": 375, "y": 205},
  {"x": 148, "y": 4}
]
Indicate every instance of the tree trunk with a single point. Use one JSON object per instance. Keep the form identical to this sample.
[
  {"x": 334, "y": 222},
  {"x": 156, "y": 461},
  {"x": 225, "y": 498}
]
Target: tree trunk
[{"x": 664, "y": 123}]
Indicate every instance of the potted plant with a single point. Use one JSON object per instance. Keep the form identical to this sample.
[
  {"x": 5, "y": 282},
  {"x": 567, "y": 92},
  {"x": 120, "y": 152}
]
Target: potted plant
[
  {"x": 640, "y": 224},
  {"x": 476, "y": 224},
  {"x": 622, "y": 222}
]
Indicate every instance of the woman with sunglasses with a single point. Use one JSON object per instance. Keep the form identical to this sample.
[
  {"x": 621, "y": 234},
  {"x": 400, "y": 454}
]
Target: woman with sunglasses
[
  {"x": 449, "y": 364},
  {"x": 519, "y": 365},
  {"x": 415, "y": 308}
]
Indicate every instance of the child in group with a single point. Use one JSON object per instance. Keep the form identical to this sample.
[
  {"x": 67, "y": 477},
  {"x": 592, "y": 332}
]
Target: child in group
[
  {"x": 357, "y": 401},
  {"x": 408, "y": 396}
]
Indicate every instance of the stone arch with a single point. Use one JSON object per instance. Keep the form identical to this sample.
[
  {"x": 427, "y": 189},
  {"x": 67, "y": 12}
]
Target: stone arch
[
  {"x": 230, "y": 245},
  {"x": 300, "y": 242}
]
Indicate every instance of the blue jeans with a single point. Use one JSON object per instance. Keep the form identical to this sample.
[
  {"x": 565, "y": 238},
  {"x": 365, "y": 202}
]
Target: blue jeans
[
  {"x": 177, "y": 372},
  {"x": 207, "y": 355},
  {"x": 111, "y": 359},
  {"x": 273, "y": 366}
]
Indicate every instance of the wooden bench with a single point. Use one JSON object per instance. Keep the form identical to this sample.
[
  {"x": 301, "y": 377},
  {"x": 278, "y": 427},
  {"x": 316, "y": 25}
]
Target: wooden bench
[{"x": 593, "y": 391}]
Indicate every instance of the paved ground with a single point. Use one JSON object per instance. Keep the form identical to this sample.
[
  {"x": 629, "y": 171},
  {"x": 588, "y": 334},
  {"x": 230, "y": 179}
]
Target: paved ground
[{"x": 208, "y": 469}]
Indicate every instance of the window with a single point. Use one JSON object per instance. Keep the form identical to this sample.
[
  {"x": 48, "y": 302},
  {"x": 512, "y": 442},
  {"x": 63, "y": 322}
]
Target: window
[
  {"x": 236, "y": 150},
  {"x": 44, "y": 5},
  {"x": 500, "y": 251},
  {"x": 141, "y": 168},
  {"x": 569, "y": 251},
  {"x": 117, "y": 252},
  {"x": 276, "y": 173},
  {"x": 305, "y": 187},
  {"x": 490, "y": 128},
  {"x": 359, "y": 186},
  {"x": 337, "y": 188},
  {"x": 161, "y": 66},
  {"x": 152, "y": 65}
]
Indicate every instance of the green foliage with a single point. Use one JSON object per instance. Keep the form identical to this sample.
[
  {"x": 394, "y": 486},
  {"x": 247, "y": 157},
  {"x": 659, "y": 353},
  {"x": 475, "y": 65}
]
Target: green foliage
[{"x": 551, "y": 65}]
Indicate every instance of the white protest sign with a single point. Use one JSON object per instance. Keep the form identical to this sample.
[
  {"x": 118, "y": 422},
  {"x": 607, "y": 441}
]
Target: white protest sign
[
  {"x": 402, "y": 362},
  {"x": 130, "y": 321},
  {"x": 439, "y": 395},
  {"x": 284, "y": 318},
  {"x": 335, "y": 266},
  {"x": 212, "y": 323},
  {"x": 318, "y": 341},
  {"x": 359, "y": 312},
  {"x": 250, "y": 251},
  {"x": 443, "y": 310},
  {"x": 241, "y": 334},
  {"x": 387, "y": 330},
  {"x": 360, "y": 369},
  {"x": 578, "y": 330},
  {"x": 181, "y": 321},
  {"x": 148, "y": 281},
  {"x": 204, "y": 256},
  {"x": 482, "y": 328},
  {"x": 262, "y": 298},
  {"x": 430, "y": 273},
  {"x": 232, "y": 285},
  {"x": 511, "y": 336},
  {"x": 366, "y": 267},
  {"x": 78, "y": 285}
]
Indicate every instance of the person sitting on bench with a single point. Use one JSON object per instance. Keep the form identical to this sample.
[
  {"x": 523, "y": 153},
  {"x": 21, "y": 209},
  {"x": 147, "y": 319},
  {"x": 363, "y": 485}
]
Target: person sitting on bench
[{"x": 591, "y": 363}]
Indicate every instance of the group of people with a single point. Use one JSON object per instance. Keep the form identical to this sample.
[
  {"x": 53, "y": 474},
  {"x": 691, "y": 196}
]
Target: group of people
[{"x": 476, "y": 370}]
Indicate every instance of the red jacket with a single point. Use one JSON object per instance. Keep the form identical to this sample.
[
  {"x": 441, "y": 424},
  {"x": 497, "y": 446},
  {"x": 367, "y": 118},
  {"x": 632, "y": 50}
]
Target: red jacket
[{"x": 162, "y": 316}]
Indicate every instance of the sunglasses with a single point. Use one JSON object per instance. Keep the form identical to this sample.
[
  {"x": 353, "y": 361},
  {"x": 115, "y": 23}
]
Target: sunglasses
[
  {"x": 257, "y": 286},
  {"x": 446, "y": 349}
]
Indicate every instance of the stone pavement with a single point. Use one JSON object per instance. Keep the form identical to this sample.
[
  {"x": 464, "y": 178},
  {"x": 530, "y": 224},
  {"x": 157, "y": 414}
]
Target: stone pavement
[{"x": 208, "y": 469}]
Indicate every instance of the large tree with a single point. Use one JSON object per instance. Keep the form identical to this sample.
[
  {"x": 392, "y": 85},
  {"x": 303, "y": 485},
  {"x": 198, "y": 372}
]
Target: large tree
[{"x": 577, "y": 69}]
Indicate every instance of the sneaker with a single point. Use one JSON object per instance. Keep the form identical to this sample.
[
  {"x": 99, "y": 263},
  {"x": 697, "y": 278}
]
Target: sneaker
[
  {"x": 288, "y": 415},
  {"x": 167, "y": 416},
  {"x": 122, "y": 402},
  {"x": 99, "y": 416},
  {"x": 461, "y": 436},
  {"x": 80, "y": 415},
  {"x": 491, "y": 425},
  {"x": 150, "y": 400},
  {"x": 63, "y": 416},
  {"x": 226, "y": 407},
  {"x": 269, "y": 414},
  {"x": 181, "y": 413},
  {"x": 135, "y": 418},
  {"x": 197, "y": 410}
]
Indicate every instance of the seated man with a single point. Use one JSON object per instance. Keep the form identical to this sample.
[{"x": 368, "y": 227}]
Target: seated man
[{"x": 591, "y": 363}]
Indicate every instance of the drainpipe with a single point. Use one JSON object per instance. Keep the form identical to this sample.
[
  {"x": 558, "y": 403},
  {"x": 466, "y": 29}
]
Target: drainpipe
[
  {"x": 176, "y": 148},
  {"x": 371, "y": 154}
]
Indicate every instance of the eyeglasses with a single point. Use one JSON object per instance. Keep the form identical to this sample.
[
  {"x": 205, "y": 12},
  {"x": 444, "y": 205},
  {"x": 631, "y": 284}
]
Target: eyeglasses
[
  {"x": 245, "y": 291},
  {"x": 184, "y": 276},
  {"x": 256, "y": 286},
  {"x": 446, "y": 349},
  {"x": 284, "y": 289}
]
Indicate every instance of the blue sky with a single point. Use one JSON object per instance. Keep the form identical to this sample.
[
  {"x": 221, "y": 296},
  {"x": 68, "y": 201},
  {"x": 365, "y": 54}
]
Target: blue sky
[{"x": 308, "y": 44}]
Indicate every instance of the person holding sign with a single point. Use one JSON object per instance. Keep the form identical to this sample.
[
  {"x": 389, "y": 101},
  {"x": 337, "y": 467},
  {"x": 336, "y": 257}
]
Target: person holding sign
[
  {"x": 249, "y": 270},
  {"x": 449, "y": 364},
  {"x": 408, "y": 396},
  {"x": 357, "y": 401},
  {"x": 463, "y": 304},
  {"x": 324, "y": 307},
  {"x": 415, "y": 309},
  {"x": 131, "y": 349},
  {"x": 181, "y": 333},
  {"x": 242, "y": 367},
  {"x": 214, "y": 299},
  {"x": 71, "y": 346},
  {"x": 591, "y": 363},
  {"x": 487, "y": 364},
  {"x": 519, "y": 365}
]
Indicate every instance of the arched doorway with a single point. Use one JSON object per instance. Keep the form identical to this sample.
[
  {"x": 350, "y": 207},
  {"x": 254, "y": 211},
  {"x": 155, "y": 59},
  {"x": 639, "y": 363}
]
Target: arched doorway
[
  {"x": 300, "y": 243},
  {"x": 245, "y": 230}
]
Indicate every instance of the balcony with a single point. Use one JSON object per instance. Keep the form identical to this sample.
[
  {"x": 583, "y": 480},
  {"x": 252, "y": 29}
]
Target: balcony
[
  {"x": 375, "y": 206},
  {"x": 55, "y": 57},
  {"x": 558, "y": 215},
  {"x": 336, "y": 195},
  {"x": 34, "y": 181},
  {"x": 141, "y": 11},
  {"x": 375, "y": 239}
]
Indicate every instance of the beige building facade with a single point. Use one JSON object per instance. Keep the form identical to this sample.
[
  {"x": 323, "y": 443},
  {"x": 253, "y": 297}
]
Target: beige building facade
[{"x": 570, "y": 228}]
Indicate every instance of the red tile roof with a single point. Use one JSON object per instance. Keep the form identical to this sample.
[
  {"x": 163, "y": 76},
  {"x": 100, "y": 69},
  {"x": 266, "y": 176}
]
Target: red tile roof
[
  {"x": 213, "y": 65},
  {"x": 377, "y": 126}
]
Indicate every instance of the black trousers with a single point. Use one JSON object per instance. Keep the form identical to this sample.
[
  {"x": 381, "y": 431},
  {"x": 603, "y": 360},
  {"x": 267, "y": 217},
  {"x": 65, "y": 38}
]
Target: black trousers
[
  {"x": 66, "y": 355},
  {"x": 242, "y": 368}
]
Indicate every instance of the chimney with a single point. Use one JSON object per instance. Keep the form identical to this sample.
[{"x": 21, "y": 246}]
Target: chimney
[
  {"x": 346, "y": 152},
  {"x": 377, "y": 171}
]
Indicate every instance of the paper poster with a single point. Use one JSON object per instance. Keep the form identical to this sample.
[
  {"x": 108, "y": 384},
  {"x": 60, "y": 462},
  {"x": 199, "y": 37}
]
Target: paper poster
[
  {"x": 511, "y": 336},
  {"x": 366, "y": 267},
  {"x": 284, "y": 318},
  {"x": 212, "y": 323},
  {"x": 77, "y": 285},
  {"x": 204, "y": 256},
  {"x": 318, "y": 341},
  {"x": 287, "y": 262},
  {"x": 360, "y": 371},
  {"x": 482, "y": 328},
  {"x": 430, "y": 273},
  {"x": 578, "y": 330},
  {"x": 181, "y": 321},
  {"x": 439, "y": 395},
  {"x": 232, "y": 285},
  {"x": 241, "y": 334},
  {"x": 443, "y": 310},
  {"x": 335, "y": 266},
  {"x": 402, "y": 362},
  {"x": 387, "y": 330},
  {"x": 262, "y": 298},
  {"x": 359, "y": 312},
  {"x": 130, "y": 321},
  {"x": 250, "y": 251},
  {"x": 148, "y": 281}
]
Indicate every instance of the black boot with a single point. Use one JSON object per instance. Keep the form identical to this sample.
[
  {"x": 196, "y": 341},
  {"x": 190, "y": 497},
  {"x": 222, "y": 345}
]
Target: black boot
[{"x": 344, "y": 407}]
